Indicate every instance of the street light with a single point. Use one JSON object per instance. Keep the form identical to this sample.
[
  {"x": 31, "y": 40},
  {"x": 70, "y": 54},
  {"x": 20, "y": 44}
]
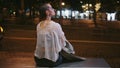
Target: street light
[
  {"x": 118, "y": 1},
  {"x": 63, "y": 3},
  {"x": 81, "y": 2}
]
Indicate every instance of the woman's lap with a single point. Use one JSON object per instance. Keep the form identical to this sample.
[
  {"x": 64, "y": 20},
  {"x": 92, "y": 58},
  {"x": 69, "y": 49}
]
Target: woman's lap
[
  {"x": 63, "y": 58},
  {"x": 47, "y": 63}
]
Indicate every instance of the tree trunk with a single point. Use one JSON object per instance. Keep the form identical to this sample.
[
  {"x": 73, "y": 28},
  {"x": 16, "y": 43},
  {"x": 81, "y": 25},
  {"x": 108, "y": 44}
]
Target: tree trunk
[{"x": 94, "y": 14}]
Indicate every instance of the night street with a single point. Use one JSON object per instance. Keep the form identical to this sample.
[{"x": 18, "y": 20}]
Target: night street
[
  {"x": 91, "y": 26},
  {"x": 21, "y": 43}
]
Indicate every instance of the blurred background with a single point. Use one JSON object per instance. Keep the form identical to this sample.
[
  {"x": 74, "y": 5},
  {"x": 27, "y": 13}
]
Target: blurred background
[
  {"x": 108, "y": 10},
  {"x": 92, "y": 27}
]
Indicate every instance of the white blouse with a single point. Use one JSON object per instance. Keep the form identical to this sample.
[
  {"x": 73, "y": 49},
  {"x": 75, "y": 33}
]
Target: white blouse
[{"x": 50, "y": 41}]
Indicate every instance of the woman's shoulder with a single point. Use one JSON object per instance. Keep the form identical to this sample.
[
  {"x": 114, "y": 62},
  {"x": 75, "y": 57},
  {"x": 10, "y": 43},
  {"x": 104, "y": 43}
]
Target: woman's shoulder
[
  {"x": 52, "y": 24},
  {"x": 38, "y": 24},
  {"x": 55, "y": 24}
]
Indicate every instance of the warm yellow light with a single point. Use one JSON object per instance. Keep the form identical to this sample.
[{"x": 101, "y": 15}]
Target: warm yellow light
[
  {"x": 90, "y": 5},
  {"x": 86, "y": 4},
  {"x": 62, "y": 3},
  {"x": 83, "y": 6},
  {"x": 1, "y": 29},
  {"x": 97, "y": 6}
]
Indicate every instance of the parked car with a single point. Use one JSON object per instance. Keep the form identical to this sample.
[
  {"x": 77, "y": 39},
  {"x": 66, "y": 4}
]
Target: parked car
[{"x": 1, "y": 33}]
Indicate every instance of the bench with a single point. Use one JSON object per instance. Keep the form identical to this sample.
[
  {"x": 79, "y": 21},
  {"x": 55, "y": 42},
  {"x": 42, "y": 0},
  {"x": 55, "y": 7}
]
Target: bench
[{"x": 89, "y": 63}]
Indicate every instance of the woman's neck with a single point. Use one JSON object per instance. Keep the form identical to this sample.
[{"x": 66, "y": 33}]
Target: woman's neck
[
  {"x": 45, "y": 22},
  {"x": 48, "y": 18}
]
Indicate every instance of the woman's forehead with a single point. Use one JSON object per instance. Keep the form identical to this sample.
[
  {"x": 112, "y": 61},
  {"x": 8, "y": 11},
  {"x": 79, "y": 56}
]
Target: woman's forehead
[{"x": 48, "y": 5}]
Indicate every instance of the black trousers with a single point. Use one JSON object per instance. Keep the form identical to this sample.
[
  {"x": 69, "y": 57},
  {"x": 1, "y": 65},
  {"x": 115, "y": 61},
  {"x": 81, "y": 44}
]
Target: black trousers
[
  {"x": 64, "y": 57},
  {"x": 48, "y": 63}
]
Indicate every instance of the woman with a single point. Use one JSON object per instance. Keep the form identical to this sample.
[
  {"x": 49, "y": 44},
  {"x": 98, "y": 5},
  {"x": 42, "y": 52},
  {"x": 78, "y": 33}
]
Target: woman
[{"x": 51, "y": 41}]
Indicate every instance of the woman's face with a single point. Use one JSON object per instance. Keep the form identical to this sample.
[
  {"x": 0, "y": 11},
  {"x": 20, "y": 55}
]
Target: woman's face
[{"x": 51, "y": 11}]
